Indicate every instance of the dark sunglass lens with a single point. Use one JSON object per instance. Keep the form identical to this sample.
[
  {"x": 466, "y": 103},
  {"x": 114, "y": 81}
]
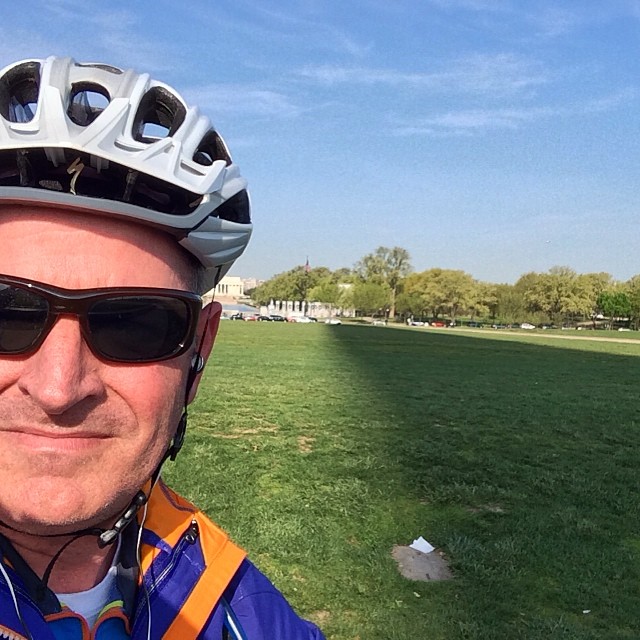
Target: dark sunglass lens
[
  {"x": 23, "y": 314},
  {"x": 140, "y": 328}
]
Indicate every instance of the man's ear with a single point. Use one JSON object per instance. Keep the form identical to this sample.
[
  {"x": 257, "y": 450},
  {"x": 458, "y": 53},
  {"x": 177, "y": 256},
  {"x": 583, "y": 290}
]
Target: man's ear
[{"x": 206, "y": 335}]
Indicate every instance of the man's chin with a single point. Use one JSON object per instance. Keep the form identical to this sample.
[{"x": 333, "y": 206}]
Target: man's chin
[{"x": 56, "y": 516}]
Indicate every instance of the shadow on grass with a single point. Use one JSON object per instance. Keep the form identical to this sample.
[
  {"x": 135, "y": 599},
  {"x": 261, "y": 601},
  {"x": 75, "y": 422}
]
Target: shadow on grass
[{"x": 520, "y": 461}]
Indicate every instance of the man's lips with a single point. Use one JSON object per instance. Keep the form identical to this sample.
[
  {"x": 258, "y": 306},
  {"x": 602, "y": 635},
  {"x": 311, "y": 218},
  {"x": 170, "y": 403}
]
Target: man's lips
[{"x": 60, "y": 440}]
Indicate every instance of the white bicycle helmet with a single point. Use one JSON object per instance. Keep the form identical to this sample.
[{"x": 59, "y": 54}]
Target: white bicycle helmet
[{"x": 101, "y": 139}]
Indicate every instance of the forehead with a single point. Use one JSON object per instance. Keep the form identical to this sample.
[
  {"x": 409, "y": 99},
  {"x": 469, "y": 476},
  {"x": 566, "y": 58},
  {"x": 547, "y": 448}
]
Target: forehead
[{"x": 86, "y": 250}]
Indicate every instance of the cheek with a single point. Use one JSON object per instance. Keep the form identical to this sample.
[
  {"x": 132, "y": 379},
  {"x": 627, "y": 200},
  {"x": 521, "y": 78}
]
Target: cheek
[
  {"x": 154, "y": 394},
  {"x": 9, "y": 372}
]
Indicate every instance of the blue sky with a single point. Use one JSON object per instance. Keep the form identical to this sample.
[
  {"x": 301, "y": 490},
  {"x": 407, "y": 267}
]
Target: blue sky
[{"x": 494, "y": 136}]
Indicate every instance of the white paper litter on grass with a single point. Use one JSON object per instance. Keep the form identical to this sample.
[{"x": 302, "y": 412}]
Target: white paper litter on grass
[{"x": 422, "y": 545}]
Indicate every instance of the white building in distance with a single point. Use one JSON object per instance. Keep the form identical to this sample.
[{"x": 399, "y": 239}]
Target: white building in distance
[
  {"x": 232, "y": 288},
  {"x": 229, "y": 287}
]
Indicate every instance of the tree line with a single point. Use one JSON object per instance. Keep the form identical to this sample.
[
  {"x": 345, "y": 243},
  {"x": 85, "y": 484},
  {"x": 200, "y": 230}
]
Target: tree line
[{"x": 383, "y": 283}]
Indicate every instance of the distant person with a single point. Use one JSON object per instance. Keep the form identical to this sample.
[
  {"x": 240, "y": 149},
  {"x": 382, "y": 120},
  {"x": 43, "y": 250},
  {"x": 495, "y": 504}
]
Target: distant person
[{"x": 119, "y": 207}]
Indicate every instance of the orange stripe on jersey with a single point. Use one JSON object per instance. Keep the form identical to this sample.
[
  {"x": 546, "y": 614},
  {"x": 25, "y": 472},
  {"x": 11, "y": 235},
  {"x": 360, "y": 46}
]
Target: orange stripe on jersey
[{"x": 169, "y": 517}]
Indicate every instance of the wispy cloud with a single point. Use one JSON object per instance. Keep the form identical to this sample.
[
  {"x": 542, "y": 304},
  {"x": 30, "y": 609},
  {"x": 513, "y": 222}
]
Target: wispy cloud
[
  {"x": 304, "y": 27},
  {"x": 553, "y": 21},
  {"x": 476, "y": 121},
  {"x": 16, "y": 44},
  {"x": 115, "y": 35},
  {"x": 320, "y": 33},
  {"x": 472, "y": 121},
  {"x": 242, "y": 101},
  {"x": 610, "y": 102},
  {"x": 473, "y": 5},
  {"x": 65, "y": 9},
  {"x": 476, "y": 74}
]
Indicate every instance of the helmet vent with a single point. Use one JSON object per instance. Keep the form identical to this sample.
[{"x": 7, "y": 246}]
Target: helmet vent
[
  {"x": 86, "y": 102},
  {"x": 211, "y": 148},
  {"x": 159, "y": 115},
  {"x": 19, "y": 89},
  {"x": 102, "y": 67},
  {"x": 235, "y": 209}
]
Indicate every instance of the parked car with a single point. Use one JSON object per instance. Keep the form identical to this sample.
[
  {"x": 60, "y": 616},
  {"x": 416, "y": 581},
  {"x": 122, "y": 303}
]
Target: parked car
[
  {"x": 277, "y": 318},
  {"x": 332, "y": 321},
  {"x": 251, "y": 318},
  {"x": 265, "y": 319},
  {"x": 237, "y": 316}
]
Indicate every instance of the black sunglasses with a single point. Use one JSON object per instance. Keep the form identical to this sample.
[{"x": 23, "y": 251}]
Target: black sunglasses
[{"x": 127, "y": 324}]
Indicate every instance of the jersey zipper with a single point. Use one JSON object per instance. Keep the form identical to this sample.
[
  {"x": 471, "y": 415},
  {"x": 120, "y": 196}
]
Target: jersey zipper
[{"x": 189, "y": 537}]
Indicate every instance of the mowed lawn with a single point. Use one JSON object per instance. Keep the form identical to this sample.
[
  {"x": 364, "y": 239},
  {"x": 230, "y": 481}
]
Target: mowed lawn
[{"x": 320, "y": 447}]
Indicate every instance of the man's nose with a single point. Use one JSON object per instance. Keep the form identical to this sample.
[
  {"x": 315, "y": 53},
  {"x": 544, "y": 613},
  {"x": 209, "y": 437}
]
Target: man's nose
[{"x": 63, "y": 371}]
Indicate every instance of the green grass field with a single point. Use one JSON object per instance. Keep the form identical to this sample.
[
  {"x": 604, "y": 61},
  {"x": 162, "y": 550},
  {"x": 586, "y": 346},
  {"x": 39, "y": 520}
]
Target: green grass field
[{"x": 319, "y": 448}]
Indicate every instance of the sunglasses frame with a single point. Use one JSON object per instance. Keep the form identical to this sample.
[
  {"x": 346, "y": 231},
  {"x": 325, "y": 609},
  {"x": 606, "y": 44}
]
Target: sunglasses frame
[{"x": 78, "y": 302}]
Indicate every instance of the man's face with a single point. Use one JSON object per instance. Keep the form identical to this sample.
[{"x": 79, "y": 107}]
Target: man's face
[{"x": 79, "y": 436}]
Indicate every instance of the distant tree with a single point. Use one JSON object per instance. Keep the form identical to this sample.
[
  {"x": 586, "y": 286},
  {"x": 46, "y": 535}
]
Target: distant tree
[
  {"x": 509, "y": 304},
  {"x": 263, "y": 293},
  {"x": 595, "y": 284},
  {"x": 294, "y": 285},
  {"x": 326, "y": 292},
  {"x": 633, "y": 291},
  {"x": 460, "y": 289},
  {"x": 342, "y": 275},
  {"x": 428, "y": 285},
  {"x": 531, "y": 314},
  {"x": 526, "y": 282},
  {"x": 483, "y": 298},
  {"x": 425, "y": 287},
  {"x": 443, "y": 291},
  {"x": 386, "y": 266},
  {"x": 411, "y": 304},
  {"x": 370, "y": 298},
  {"x": 614, "y": 303},
  {"x": 561, "y": 294}
]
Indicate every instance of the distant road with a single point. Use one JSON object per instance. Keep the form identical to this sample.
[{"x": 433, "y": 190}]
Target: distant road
[{"x": 536, "y": 334}]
